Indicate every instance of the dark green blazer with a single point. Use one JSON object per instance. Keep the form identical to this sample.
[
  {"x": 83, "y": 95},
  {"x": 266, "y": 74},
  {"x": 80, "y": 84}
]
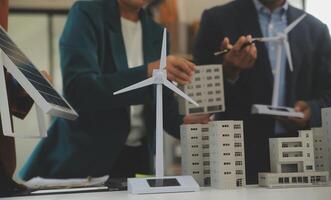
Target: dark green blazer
[{"x": 94, "y": 65}]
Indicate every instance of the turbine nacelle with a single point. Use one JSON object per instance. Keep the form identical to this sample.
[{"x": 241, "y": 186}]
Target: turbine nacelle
[{"x": 159, "y": 76}]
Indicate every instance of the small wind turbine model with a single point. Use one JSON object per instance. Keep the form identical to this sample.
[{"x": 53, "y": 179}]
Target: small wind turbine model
[
  {"x": 160, "y": 184},
  {"x": 282, "y": 42}
]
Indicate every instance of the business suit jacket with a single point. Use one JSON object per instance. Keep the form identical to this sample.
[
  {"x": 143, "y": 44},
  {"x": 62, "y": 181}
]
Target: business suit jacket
[
  {"x": 310, "y": 81},
  {"x": 94, "y": 65}
]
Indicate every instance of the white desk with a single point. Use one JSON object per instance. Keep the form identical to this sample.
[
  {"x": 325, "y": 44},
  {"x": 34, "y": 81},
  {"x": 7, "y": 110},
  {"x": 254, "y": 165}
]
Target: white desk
[{"x": 249, "y": 193}]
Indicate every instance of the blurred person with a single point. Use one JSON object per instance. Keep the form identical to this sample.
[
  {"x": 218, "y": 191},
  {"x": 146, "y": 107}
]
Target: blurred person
[
  {"x": 108, "y": 45},
  {"x": 248, "y": 71}
]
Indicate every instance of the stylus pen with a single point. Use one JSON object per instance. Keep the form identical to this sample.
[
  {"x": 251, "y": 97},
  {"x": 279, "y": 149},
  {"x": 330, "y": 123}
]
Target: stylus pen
[{"x": 218, "y": 53}]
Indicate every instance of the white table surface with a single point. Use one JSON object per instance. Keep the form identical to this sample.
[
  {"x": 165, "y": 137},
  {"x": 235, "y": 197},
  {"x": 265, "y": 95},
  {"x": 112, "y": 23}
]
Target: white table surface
[{"x": 249, "y": 193}]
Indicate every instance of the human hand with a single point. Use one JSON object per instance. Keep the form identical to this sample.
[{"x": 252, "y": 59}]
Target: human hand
[
  {"x": 298, "y": 123},
  {"x": 198, "y": 119},
  {"x": 179, "y": 70},
  {"x": 239, "y": 57}
]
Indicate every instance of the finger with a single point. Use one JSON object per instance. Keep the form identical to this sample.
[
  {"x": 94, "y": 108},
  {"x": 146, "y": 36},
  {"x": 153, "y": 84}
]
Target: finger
[
  {"x": 300, "y": 106},
  {"x": 192, "y": 66},
  {"x": 241, "y": 41},
  {"x": 225, "y": 43},
  {"x": 183, "y": 66},
  {"x": 178, "y": 73}
]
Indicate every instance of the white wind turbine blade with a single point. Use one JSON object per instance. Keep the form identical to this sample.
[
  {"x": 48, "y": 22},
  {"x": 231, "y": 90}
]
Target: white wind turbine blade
[
  {"x": 172, "y": 87},
  {"x": 163, "y": 61},
  {"x": 293, "y": 24},
  {"x": 141, "y": 84},
  {"x": 288, "y": 53}
]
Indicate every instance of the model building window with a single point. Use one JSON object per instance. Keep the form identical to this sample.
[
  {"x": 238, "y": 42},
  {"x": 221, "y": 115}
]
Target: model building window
[
  {"x": 237, "y": 126},
  {"x": 208, "y": 70},
  {"x": 239, "y": 163},
  {"x": 227, "y": 163},
  {"x": 286, "y": 180},
  {"x": 294, "y": 179},
  {"x": 305, "y": 179},
  {"x": 309, "y": 167},
  {"x": 205, "y": 155},
  {"x": 226, "y": 145},
  {"x": 205, "y": 130},
  {"x": 299, "y": 179},
  {"x": 197, "y": 79},
  {"x": 307, "y": 145},
  {"x": 237, "y": 135},
  {"x": 239, "y": 172},
  {"x": 308, "y": 155},
  {"x": 227, "y": 173},
  {"x": 238, "y": 154},
  {"x": 209, "y": 77},
  {"x": 198, "y": 86},
  {"x": 237, "y": 144},
  {"x": 280, "y": 180},
  {"x": 209, "y": 85}
]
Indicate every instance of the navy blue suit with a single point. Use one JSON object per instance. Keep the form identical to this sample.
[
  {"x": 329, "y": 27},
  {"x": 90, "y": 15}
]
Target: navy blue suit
[{"x": 310, "y": 81}]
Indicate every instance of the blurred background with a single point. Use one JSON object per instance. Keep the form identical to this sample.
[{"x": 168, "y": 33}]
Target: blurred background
[{"x": 36, "y": 26}]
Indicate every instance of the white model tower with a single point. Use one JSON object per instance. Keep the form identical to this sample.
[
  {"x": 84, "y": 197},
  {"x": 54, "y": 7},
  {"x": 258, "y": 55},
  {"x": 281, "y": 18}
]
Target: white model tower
[
  {"x": 227, "y": 157},
  {"x": 326, "y": 123},
  {"x": 195, "y": 152},
  {"x": 160, "y": 184},
  {"x": 282, "y": 42}
]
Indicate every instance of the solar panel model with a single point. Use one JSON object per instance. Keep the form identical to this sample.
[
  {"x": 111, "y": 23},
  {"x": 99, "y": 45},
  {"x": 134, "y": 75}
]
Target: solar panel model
[{"x": 47, "y": 99}]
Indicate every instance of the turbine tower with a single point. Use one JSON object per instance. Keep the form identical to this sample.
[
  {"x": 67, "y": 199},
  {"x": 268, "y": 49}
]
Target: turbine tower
[{"x": 159, "y": 79}]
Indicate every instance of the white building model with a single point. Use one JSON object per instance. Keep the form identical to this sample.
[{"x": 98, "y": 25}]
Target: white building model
[
  {"x": 207, "y": 89},
  {"x": 214, "y": 154},
  {"x": 195, "y": 152},
  {"x": 292, "y": 163},
  {"x": 325, "y": 149}
]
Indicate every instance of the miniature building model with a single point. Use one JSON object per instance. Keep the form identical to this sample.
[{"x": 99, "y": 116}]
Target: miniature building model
[
  {"x": 292, "y": 163},
  {"x": 326, "y": 123},
  {"x": 195, "y": 152},
  {"x": 227, "y": 159},
  {"x": 207, "y": 89},
  {"x": 214, "y": 154},
  {"x": 321, "y": 149}
]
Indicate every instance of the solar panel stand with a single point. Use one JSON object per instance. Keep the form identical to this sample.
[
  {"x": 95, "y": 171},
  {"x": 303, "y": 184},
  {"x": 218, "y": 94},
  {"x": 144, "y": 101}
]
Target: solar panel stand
[{"x": 7, "y": 128}]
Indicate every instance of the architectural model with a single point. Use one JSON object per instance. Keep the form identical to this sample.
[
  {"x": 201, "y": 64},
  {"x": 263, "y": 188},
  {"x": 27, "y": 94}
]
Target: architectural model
[
  {"x": 326, "y": 124},
  {"x": 207, "y": 89},
  {"x": 214, "y": 153},
  {"x": 195, "y": 152},
  {"x": 160, "y": 184},
  {"x": 292, "y": 163},
  {"x": 282, "y": 40},
  {"x": 321, "y": 150}
]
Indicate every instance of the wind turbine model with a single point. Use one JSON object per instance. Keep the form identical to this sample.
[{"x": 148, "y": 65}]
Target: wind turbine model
[
  {"x": 282, "y": 42},
  {"x": 160, "y": 184}
]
